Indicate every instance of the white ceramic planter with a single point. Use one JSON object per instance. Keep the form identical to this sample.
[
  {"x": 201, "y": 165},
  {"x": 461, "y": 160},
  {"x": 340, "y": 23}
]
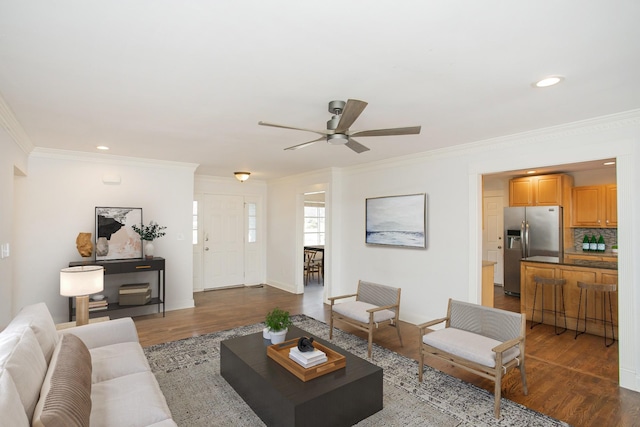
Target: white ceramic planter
[
  {"x": 266, "y": 334},
  {"x": 278, "y": 336}
]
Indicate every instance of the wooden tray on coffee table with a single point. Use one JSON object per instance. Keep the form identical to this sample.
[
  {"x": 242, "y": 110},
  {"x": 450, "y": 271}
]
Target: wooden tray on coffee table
[{"x": 280, "y": 354}]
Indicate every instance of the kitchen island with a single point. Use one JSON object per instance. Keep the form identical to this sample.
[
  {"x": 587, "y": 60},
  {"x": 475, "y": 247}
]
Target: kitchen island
[{"x": 572, "y": 270}]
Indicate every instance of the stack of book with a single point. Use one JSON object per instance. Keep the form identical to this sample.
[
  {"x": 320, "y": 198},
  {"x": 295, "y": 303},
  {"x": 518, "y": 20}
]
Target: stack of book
[
  {"x": 307, "y": 359},
  {"x": 97, "y": 305}
]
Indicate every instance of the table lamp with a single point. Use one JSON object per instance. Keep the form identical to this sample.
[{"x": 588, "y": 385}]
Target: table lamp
[{"x": 79, "y": 282}]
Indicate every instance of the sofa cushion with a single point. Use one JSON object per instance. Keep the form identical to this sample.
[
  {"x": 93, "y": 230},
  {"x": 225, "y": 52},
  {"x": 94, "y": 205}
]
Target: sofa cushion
[
  {"x": 470, "y": 346},
  {"x": 358, "y": 310},
  {"x": 21, "y": 356},
  {"x": 131, "y": 400},
  {"x": 10, "y": 404},
  {"x": 38, "y": 318},
  {"x": 66, "y": 392},
  {"x": 117, "y": 360}
]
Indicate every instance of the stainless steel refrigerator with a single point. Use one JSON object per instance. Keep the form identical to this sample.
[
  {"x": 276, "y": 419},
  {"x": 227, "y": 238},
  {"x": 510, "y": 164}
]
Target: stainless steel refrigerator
[{"x": 529, "y": 231}]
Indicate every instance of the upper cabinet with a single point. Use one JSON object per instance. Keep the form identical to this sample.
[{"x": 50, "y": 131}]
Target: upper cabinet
[
  {"x": 594, "y": 206},
  {"x": 541, "y": 190}
]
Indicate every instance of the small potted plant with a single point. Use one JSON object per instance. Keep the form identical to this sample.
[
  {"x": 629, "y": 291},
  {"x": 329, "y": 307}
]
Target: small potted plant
[
  {"x": 614, "y": 249},
  {"x": 149, "y": 233},
  {"x": 277, "y": 322}
]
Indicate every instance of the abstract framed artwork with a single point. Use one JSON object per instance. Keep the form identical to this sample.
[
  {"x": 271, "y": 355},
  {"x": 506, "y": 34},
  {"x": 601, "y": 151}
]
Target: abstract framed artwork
[
  {"x": 115, "y": 239},
  {"x": 397, "y": 221}
]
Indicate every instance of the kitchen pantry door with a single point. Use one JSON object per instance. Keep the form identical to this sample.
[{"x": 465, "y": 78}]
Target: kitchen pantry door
[
  {"x": 493, "y": 244},
  {"x": 223, "y": 241}
]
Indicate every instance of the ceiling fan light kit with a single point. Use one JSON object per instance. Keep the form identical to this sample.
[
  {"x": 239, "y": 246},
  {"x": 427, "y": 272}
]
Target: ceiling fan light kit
[{"x": 338, "y": 133}]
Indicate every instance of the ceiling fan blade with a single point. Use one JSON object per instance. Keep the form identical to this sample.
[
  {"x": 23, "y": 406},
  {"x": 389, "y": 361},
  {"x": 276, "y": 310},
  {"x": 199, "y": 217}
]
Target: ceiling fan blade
[
  {"x": 305, "y": 144},
  {"x": 413, "y": 130},
  {"x": 319, "y": 132},
  {"x": 356, "y": 146},
  {"x": 351, "y": 112}
]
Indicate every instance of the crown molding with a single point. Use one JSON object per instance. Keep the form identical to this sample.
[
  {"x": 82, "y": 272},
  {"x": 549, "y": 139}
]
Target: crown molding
[
  {"x": 51, "y": 153},
  {"x": 579, "y": 128},
  {"x": 13, "y": 127}
]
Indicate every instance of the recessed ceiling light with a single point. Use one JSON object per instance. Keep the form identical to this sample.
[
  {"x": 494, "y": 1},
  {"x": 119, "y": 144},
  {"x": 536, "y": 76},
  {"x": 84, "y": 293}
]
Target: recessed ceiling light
[
  {"x": 609, "y": 163},
  {"x": 531, "y": 172},
  {"x": 549, "y": 81},
  {"x": 102, "y": 147}
]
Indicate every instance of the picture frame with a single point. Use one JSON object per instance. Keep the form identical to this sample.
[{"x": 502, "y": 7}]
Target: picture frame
[
  {"x": 115, "y": 239},
  {"x": 396, "y": 221}
]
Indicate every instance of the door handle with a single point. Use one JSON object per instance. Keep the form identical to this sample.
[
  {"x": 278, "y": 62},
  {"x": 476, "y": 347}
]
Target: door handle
[
  {"x": 499, "y": 247},
  {"x": 206, "y": 249}
]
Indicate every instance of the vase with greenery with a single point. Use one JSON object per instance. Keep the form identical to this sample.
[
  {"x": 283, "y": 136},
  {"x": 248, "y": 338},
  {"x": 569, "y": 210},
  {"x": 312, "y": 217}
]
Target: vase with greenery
[
  {"x": 149, "y": 233},
  {"x": 277, "y": 322}
]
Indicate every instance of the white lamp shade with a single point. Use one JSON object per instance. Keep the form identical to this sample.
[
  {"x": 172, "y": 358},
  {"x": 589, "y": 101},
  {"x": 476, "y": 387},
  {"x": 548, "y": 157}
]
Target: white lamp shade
[{"x": 82, "y": 280}]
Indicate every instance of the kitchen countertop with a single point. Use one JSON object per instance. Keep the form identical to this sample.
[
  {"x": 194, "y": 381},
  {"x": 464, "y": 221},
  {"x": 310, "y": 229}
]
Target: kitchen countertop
[{"x": 573, "y": 262}]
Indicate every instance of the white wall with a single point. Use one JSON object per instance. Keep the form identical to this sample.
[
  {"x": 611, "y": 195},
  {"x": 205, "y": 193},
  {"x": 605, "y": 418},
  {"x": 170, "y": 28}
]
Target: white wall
[
  {"x": 451, "y": 264},
  {"x": 57, "y": 200},
  {"x": 12, "y": 160}
]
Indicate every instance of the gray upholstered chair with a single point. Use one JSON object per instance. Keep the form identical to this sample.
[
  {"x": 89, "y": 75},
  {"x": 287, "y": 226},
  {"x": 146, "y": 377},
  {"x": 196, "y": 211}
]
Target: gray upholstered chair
[{"x": 374, "y": 305}]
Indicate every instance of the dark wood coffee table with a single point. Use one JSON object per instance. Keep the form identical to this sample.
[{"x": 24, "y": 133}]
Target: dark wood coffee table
[{"x": 279, "y": 398}]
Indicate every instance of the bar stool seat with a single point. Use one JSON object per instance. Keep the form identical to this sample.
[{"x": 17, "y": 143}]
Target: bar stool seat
[
  {"x": 606, "y": 289},
  {"x": 555, "y": 283}
]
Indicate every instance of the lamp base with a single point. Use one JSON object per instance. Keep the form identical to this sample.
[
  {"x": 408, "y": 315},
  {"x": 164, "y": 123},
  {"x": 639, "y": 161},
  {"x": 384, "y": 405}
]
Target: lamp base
[{"x": 82, "y": 310}]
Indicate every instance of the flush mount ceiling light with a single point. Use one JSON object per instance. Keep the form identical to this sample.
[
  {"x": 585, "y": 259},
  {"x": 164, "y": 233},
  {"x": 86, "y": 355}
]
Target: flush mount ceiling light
[
  {"x": 548, "y": 81},
  {"x": 102, "y": 147},
  {"x": 242, "y": 176},
  {"x": 531, "y": 172},
  {"x": 609, "y": 163}
]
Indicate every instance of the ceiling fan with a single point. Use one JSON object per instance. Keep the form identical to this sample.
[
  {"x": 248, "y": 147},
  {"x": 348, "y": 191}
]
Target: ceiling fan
[{"x": 338, "y": 133}]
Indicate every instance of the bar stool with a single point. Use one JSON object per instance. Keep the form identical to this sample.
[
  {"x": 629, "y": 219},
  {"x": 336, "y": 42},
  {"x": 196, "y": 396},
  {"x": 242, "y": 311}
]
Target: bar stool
[
  {"x": 606, "y": 289},
  {"x": 555, "y": 283}
]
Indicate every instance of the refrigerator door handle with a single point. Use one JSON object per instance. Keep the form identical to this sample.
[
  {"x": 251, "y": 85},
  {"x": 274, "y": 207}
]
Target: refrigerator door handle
[
  {"x": 523, "y": 239},
  {"x": 526, "y": 238}
]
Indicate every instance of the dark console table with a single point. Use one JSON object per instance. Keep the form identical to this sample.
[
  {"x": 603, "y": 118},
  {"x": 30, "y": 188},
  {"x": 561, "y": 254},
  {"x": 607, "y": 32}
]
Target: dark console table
[{"x": 123, "y": 266}]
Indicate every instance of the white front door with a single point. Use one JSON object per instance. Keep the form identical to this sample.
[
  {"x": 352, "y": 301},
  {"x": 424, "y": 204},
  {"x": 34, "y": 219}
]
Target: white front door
[
  {"x": 493, "y": 244},
  {"x": 223, "y": 241}
]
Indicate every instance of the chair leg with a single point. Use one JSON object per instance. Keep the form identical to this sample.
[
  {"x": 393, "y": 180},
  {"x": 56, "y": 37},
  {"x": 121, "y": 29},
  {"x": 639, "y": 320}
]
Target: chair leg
[
  {"x": 370, "y": 341},
  {"x": 497, "y": 392},
  {"x": 397, "y": 325},
  {"x": 331, "y": 325},
  {"x": 586, "y": 296},
  {"x": 420, "y": 362}
]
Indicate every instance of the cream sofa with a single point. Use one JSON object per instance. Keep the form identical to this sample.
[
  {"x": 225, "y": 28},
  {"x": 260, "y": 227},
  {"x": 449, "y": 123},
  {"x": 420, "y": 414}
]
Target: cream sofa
[{"x": 95, "y": 374}]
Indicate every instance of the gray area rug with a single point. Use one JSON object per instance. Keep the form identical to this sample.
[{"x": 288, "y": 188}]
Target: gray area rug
[{"x": 189, "y": 375}]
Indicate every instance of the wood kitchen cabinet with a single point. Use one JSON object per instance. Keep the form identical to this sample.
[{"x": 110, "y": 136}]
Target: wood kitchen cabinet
[
  {"x": 594, "y": 206},
  {"x": 541, "y": 190}
]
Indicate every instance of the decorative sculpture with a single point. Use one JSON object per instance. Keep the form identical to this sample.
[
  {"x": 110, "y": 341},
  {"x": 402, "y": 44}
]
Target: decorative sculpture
[
  {"x": 84, "y": 245},
  {"x": 305, "y": 344}
]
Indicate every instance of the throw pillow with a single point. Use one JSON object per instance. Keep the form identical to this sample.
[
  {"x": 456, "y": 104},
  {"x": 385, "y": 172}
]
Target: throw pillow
[{"x": 65, "y": 398}]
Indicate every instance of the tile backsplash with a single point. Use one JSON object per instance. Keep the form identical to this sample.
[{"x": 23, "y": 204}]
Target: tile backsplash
[{"x": 610, "y": 236}]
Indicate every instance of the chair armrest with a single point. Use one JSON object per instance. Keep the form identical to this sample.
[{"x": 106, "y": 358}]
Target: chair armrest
[
  {"x": 105, "y": 333},
  {"x": 507, "y": 345},
  {"x": 332, "y": 299},
  {"x": 384, "y": 307},
  {"x": 425, "y": 325}
]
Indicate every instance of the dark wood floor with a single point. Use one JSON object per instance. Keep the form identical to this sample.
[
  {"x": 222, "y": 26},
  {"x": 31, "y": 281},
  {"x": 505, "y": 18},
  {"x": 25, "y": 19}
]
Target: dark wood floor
[{"x": 574, "y": 380}]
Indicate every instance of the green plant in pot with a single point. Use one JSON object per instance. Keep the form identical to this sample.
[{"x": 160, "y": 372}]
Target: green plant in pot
[{"x": 277, "y": 322}]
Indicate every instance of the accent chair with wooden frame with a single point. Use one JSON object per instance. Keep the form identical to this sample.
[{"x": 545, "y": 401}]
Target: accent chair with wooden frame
[
  {"x": 486, "y": 341},
  {"x": 374, "y": 305}
]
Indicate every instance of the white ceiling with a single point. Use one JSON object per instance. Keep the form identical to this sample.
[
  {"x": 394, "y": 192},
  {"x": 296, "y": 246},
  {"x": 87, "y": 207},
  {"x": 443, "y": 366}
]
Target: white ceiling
[{"x": 189, "y": 80}]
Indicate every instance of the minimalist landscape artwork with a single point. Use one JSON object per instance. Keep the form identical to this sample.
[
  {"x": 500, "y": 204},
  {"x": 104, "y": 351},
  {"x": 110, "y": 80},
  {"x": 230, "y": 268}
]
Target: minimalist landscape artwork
[
  {"x": 396, "y": 221},
  {"x": 115, "y": 239}
]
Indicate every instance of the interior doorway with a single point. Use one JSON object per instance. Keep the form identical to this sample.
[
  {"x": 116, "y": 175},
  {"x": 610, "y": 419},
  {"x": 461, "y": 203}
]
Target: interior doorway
[{"x": 314, "y": 230}]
